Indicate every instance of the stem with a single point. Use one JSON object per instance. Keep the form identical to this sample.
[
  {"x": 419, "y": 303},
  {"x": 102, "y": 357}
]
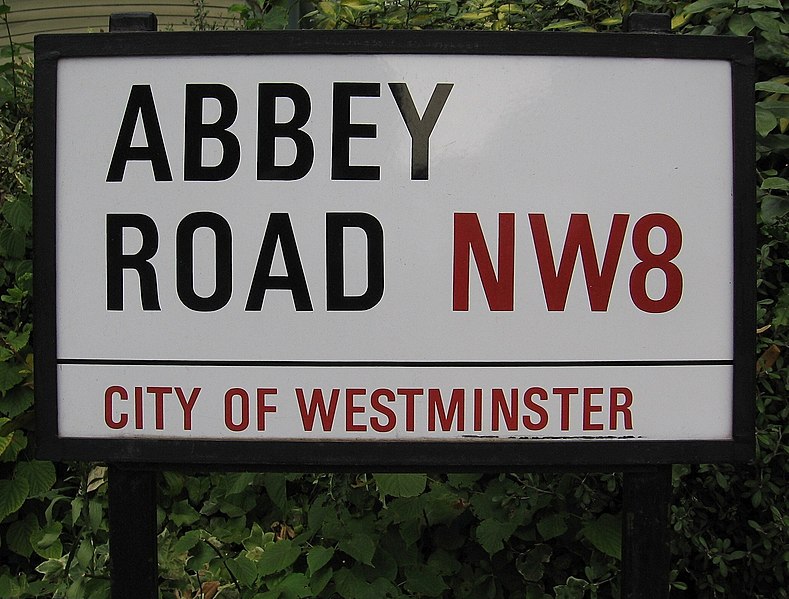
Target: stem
[{"x": 224, "y": 562}]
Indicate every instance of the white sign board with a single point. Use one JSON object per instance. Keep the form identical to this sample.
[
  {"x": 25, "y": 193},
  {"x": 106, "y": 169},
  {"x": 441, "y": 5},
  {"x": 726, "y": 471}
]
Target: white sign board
[{"x": 388, "y": 246}]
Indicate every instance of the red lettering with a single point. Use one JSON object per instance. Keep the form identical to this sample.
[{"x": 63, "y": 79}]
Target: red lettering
[
  {"x": 317, "y": 406},
  {"x": 528, "y": 401},
  {"x": 187, "y": 405},
  {"x": 264, "y": 409},
  {"x": 590, "y": 408},
  {"x": 468, "y": 238},
  {"x": 565, "y": 393},
  {"x": 651, "y": 261},
  {"x": 138, "y": 408},
  {"x": 599, "y": 281},
  {"x": 123, "y": 419},
  {"x": 410, "y": 395},
  {"x": 351, "y": 409},
  {"x": 623, "y": 408},
  {"x": 477, "y": 409},
  {"x": 375, "y": 400},
  {"x": 500, "y": 409},
  {"x": 456, "y": 410},
  {"x": 158, "y": 394},
  {"x": 229, "y": 422}
]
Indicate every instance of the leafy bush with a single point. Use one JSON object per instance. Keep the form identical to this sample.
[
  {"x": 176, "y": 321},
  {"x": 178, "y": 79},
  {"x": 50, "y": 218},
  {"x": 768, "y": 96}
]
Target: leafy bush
[{"x": 267, "y": 535}]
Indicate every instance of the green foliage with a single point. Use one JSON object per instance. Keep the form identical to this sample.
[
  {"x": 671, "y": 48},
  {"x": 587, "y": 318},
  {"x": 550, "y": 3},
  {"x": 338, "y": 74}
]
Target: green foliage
[
  {"x": 264, "y": 14},
  {"x": 329, "y": 535},
  {"x": 273, "y": 535},
  {"x": 495, "y": 15}
]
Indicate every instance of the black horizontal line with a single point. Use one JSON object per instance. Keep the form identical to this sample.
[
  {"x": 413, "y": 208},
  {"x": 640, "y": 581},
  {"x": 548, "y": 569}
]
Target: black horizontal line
[{"x": 396, "y": 363}]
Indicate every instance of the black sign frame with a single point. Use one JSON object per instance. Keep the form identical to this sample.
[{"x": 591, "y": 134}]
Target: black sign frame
[{"x": 395, "y": 455}]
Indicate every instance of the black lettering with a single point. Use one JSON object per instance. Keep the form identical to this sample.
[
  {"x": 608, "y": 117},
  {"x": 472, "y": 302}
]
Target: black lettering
[
  {"x": 117, "y": 261},
  {"x": 184, "y": 251},
  {"x": 140, "y": 103},
  {"x": 343, "y": 130},
  {"x": 269, "y": 130},
  {"x": 195, "y": 131},
  {"x": 279, "y": 228},
  {"x": 420, "y": 128},
  {"x": 335, "y": 270}
]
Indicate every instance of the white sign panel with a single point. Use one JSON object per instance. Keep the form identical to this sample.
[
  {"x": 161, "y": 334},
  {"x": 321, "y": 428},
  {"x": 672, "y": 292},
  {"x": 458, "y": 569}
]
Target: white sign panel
[{"x": 394, "y": 247}]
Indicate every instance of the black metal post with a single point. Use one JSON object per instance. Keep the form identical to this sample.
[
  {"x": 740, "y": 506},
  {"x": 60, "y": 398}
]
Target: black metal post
[
  {"x": 648, "y": 22},
  {"x": 133, "y": 21},
  {"x": 645, "y": 542},
  {"x": 134, "y": 560},
  {"x": 646, "y": 556},
  {"x": 132, "y": 516}
]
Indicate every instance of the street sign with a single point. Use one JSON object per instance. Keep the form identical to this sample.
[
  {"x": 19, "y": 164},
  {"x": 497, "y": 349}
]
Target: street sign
[{"x": 416, "y": 249}]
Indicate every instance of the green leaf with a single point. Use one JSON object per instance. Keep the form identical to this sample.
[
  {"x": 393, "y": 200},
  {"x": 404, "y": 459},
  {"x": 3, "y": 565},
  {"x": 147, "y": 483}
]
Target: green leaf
[
  {"x": 318, "y": 557},
  {"x": 778, "y": 108},
  {"x": 46, "y": 541},
  {"x": 741, "y": 25},
  {"x": 767, "y": 21},
  {"x": 5, "y": 440},
  {"x": 775, "y": 183},
  {"x": 244, "y": 569},
  {"x": 51, "y": 566},
  {"x": 18, "y": 340},
  {"x": 95, "y": 515},
  {"x": 403, "y": 509},
  {"x": 765, "y": 121},
  {"x": 574, "y": 589},
  {"x": 463, "y": 481},
  {"x": 360, "y": 547},
  {"x": 350, "y": 586},
  {"x": 10, "y": 376},
  {"x": 477, "y": 15},
  {"x": 401, "y": 485},
  {"x": 19, "y": 214},
  {"x": 18, "y": 535},
  {"x": 776, "y": 141},
  {"x": 256, "y": 539},
  {"x": 238, "y": 482},
  {"x": 552, "y": 526},
  {"x": 319, "y": 581},
  {"x": 12, "y": 243},
  {"x": 605, "y": 534},
  {"x": 174, "y": 482},
  {"x": 12, "y": 495},
  {"x": 773, "y": 208},
  {"x": 85, "y": 553},
  {"x": 772, "y": 87},
  {"x": 183, "y": 514},
  {"x": 278, "y": 556},
  {"x": 17, "y": 444},
  {"x": 40, "y": 476},
  {"x": 705, "y": 5},
  {"x": 76, "y": 509},
  {"x": 531, "y": 565},
  {"x": 96, "y": 478},
  {"x": 424, "y": 581},
  {"x": 754, "y": 4},
  {"x": 186, "y": 542},
  {"x": 274, "y": 484},
  {"x": 442, "y": 562},
  {"x": 293, "y": 585},
  {"x": 566, "y": 24},
  {"x": 491, "y": 534}
]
